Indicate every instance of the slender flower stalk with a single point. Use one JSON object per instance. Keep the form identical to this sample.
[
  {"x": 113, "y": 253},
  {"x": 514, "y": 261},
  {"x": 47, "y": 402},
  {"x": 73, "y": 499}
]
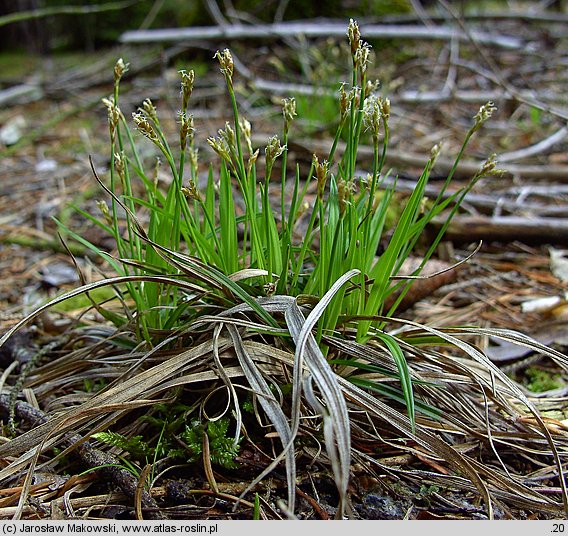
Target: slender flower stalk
[{"x": 289, "y": 113}]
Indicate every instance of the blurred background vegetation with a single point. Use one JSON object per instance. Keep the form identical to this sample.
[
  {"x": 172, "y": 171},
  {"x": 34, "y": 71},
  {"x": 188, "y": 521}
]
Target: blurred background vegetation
[{"x": 88, "y": 32}]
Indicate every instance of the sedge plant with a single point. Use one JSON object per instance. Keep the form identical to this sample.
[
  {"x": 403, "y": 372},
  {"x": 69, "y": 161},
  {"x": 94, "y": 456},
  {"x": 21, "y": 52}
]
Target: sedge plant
[
  {"x": 346, "y": 223},
  {"x": 243, "y": 256},
  {"x": 198, "y": 253}
]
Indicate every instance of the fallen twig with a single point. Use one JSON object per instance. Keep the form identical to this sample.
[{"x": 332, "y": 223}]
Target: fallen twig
[
  {"x": 314, "y": 29},
  {"x": 38, "y": 241},
  {"x": 465, "y": 169},
  {"x": 107, "y": 464},
  {"x": 20, "y": 16},
  {"x": 506, "y": 228},
  {"x": 20, "y": 94},
  {"x": 513, "y": 200},
  {"x": 76, "y": 502},
  {"x": 405, "y": 97},
  {"x": 537, "y": 148}
]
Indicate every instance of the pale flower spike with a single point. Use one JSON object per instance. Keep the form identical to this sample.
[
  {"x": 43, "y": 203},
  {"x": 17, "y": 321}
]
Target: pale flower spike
[
  {"x": 372, "y": 114},
  {"x": 120, "y": 163},
  {"x": 119, "y": 69},
  {"x": 362, "y": 56},
  {"x": 246, "y": 130},
  {"x": 289, "y": 110},
  {"x": 322, "y": 171},
  {"x": 226, "y": 62},
  {"x": 144, "y": 126},
  {"x": 386, "y": 108},
  {"x": 193, "y": 157},
  {"x": 103, "y": 207},
  {"x": 150, "y": 110},
  {"x": 484, "y": 113},
  {"x": 187, "y": 81},
  {"x": 354, "y": 36},
  {"x": 252, "y": 161},
  {"x": 273, "y": 150},
  {"x": 186, "y": 129},
  {"x": 192, "y": 192},
  {"x": 345, "y": 191},
  {"x": 228, "y": 134},
  {"x": 435, "y": 152},
  {"x": 219, "y": 145},
  {"x": 489, "y": 168},
  {"x": 113, "y": 111},
  {"x": 371, "y": 86}
]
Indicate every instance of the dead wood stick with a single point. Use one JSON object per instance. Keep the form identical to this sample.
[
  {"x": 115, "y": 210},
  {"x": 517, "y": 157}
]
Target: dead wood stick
[
  {"x": 20, "y": 16},
  {"x": 76, "y": 502},
  {"x": 20, "y": 94},
  {"x": 471, "y": 95},
  {"x": 506, "y": 229},
  {"x": 466, "y": 168},
  {"x": 405, "y": 97},
  {"x": 281, "y": 30},
  {"x": 107, "y": 464},
  {"x": 511, "y": 200},
  {"x": 512, "y": 15},
  {"x": 434, "y": 278},
  {"x": 46, "y": 245},
  {"x": 538, "y": 148}
]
